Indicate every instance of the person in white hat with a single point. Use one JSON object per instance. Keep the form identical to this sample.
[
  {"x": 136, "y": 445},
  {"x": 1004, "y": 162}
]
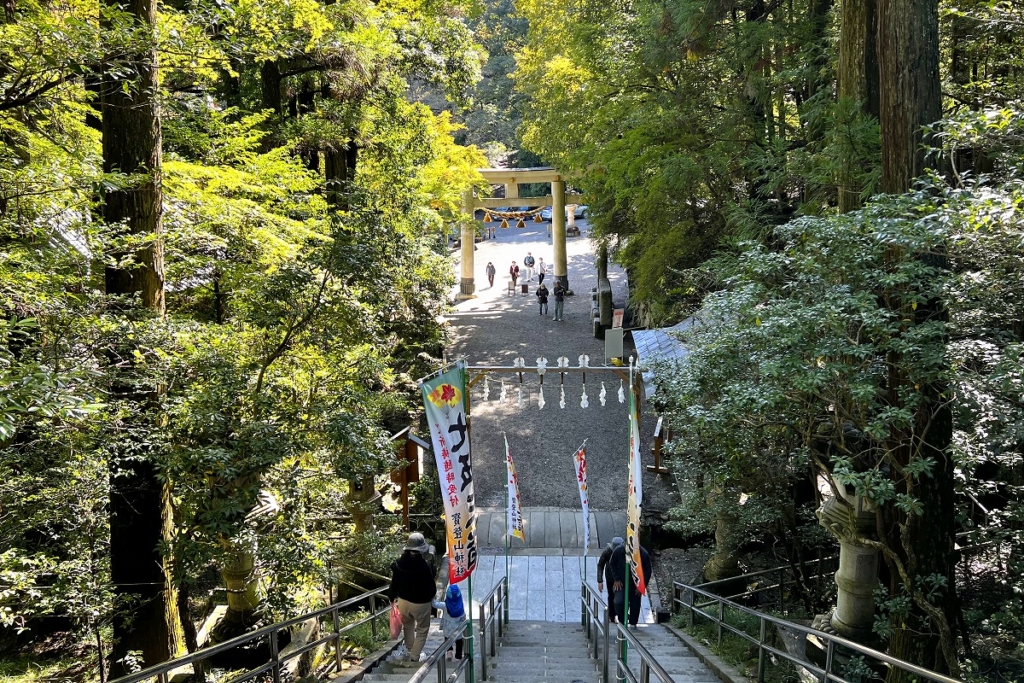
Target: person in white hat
[{"x": 413, "y": 586}]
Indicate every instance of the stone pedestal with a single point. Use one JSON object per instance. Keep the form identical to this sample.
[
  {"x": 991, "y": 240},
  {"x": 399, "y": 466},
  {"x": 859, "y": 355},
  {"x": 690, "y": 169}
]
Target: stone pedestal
[
  {"x": 723, "y": 564},
  {"x": 851, "y": 519}
]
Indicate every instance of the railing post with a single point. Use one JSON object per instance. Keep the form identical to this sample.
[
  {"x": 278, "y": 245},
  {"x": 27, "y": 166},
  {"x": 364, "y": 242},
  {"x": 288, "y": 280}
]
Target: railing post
[
  {"x": 829, "y": 655},
  {"x": 584, "y": 622},
  {"x": 276, "y": 669},
  {"x": 645, "y": 671},
  {"x": 689, "y": 608},
  {"x": 373, "y": 619},
  {"x": 494, "y": 617},
  {"x": 507, "y": 600},
  {"x": 721, "y": 618},
  {"x": 337, "y": 639},
  {"x": 502, "y": 602},
  {"x": 760, "y": 650},
  {"x": 604, "y": 669},
  {"x": 621, "y": 655},
  {"x": 442, "y": 673},
  {"x": 483, "y": 645},
  {"x": 162, "y": 677},
  {"x": 782, "y": 590}
]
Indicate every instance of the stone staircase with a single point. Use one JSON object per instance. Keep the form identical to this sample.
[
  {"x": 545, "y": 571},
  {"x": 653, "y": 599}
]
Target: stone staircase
[
  {"x": 536, "y": 651},
  {"x": 670, "y": 653},
  {"x": 540, "y": 651}
]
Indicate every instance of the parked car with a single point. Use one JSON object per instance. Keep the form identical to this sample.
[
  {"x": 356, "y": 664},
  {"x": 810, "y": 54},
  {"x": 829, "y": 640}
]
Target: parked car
[{"x": 579, "y": 212}]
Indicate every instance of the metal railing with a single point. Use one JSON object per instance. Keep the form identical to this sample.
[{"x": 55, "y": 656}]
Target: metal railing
[
  {"x": 598, "y": 628},
  {"x": 764, "y": 649},
  {"x": 493, "y": 615},
  {"x": 830, "y": 564},
  {"x": 277, "y": 660},
  {"x": 436, "y": 660}
]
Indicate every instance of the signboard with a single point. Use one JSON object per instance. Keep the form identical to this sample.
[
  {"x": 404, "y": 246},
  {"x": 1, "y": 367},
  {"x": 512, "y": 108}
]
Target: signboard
[{"x": 617, "y": 316}]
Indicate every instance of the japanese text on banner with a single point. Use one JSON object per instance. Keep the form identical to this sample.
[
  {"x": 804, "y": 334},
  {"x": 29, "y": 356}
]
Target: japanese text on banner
[
  {"x": 635, "y": 497},
  {"x": 579, "y": 461},
  {"x": 444, "y": 399},
  {"x": 515, "y": 506}
]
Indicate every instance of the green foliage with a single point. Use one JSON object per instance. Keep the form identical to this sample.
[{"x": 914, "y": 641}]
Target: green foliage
[{"x": 295, "y": 326}]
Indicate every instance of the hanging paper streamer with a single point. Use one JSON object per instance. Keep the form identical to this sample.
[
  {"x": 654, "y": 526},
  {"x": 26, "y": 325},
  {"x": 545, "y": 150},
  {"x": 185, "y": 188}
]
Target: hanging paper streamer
[
  {"x": 540, "y": 398},
  {"x": 584, "y": 401},
  {"x": 603, "y": 394},
  {"x": 504, "y": 391},
  {"x": 487, "y": 389},
  {"x": 520, "y": 403},
  {"x": 561, "y": 403},
  {"x": 622, "y": 393}
]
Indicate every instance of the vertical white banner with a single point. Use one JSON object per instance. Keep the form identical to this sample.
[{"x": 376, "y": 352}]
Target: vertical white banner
[
  {"x": 445, "y": 400},
  {"x": 515, "y": 507},
  {"x": 579, "y": 461},
  {"x": 635, "y": 496}
]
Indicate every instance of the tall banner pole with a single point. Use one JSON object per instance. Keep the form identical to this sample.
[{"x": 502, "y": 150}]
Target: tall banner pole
[
  {"x": 471, "y": 674},
  {"x": 513, "y": 515},
  {"x": 579, "y": 462},
  {"x": 446, "y": 400}
]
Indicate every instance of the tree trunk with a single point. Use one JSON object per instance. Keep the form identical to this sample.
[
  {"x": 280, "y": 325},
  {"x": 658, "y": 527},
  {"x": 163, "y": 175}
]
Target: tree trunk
[
  {"x": 908, "y": 54},
  {"x": 909, "y": 94},
  {"x": 140, "y": 513},
  {"x": 858, "y": 82}
]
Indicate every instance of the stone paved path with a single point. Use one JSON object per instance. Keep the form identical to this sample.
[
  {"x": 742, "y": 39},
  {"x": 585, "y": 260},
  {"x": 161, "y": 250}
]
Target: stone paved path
[{"x": 493, "y": 329}]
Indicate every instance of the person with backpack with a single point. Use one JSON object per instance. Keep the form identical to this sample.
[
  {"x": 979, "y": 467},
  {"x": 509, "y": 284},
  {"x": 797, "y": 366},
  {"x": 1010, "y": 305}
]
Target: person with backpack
[{"x": 413, "y": 588}]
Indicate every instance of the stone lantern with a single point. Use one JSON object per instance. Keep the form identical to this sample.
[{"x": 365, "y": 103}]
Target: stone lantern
[
  {"x": 851, "y": 519},
  {"x": 363, "y": 497}
]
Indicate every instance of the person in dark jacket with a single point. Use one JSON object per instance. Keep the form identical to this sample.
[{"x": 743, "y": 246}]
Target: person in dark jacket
[
  {"x": 513, "y": 272},
  {"x": 542, "y": 299},
  {"x": 617, "y": 575},
  {"x": 491, "y": 271},
  {"x": 602, "y": 568},
  {"x": 413, "y": 586}
]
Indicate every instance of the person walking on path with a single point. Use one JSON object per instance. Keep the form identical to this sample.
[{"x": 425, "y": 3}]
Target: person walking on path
[
  {"x": 528, "y": 262},
  {"x": 453, "y": 617},
  {"x": 617, "y": 574},
  {"x": 559, "y": 301},
  {"x": 602, "y": 566},
  {"x": 542, "y": 270},
  {"x": 412, "y": 585},
  {"x": 542, "y": 298},
  {"x": 513, "y": 271},
  {"x": 491, "y": 271}
]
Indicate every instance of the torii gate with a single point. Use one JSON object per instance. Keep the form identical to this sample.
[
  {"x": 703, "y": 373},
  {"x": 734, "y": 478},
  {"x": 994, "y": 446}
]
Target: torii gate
[{"x": 511, "y": 178}]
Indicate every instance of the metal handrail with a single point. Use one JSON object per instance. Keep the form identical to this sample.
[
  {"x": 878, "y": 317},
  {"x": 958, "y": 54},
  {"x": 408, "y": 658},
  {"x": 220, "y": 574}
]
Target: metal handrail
[
  {"x": 780, "y": 584},
  {"x": 592, "y": 602},
  {"x": 648, "y": 663},
  {"x": 763, "y": 648},
  {"x": 161, "y": 671},
  {"x": 494, "y": 602},
  {"x": 436, "y": 659}
]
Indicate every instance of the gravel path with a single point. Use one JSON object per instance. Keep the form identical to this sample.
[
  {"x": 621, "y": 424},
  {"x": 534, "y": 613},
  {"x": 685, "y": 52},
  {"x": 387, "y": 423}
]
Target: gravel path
[{"x": 494, "y": 328}]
